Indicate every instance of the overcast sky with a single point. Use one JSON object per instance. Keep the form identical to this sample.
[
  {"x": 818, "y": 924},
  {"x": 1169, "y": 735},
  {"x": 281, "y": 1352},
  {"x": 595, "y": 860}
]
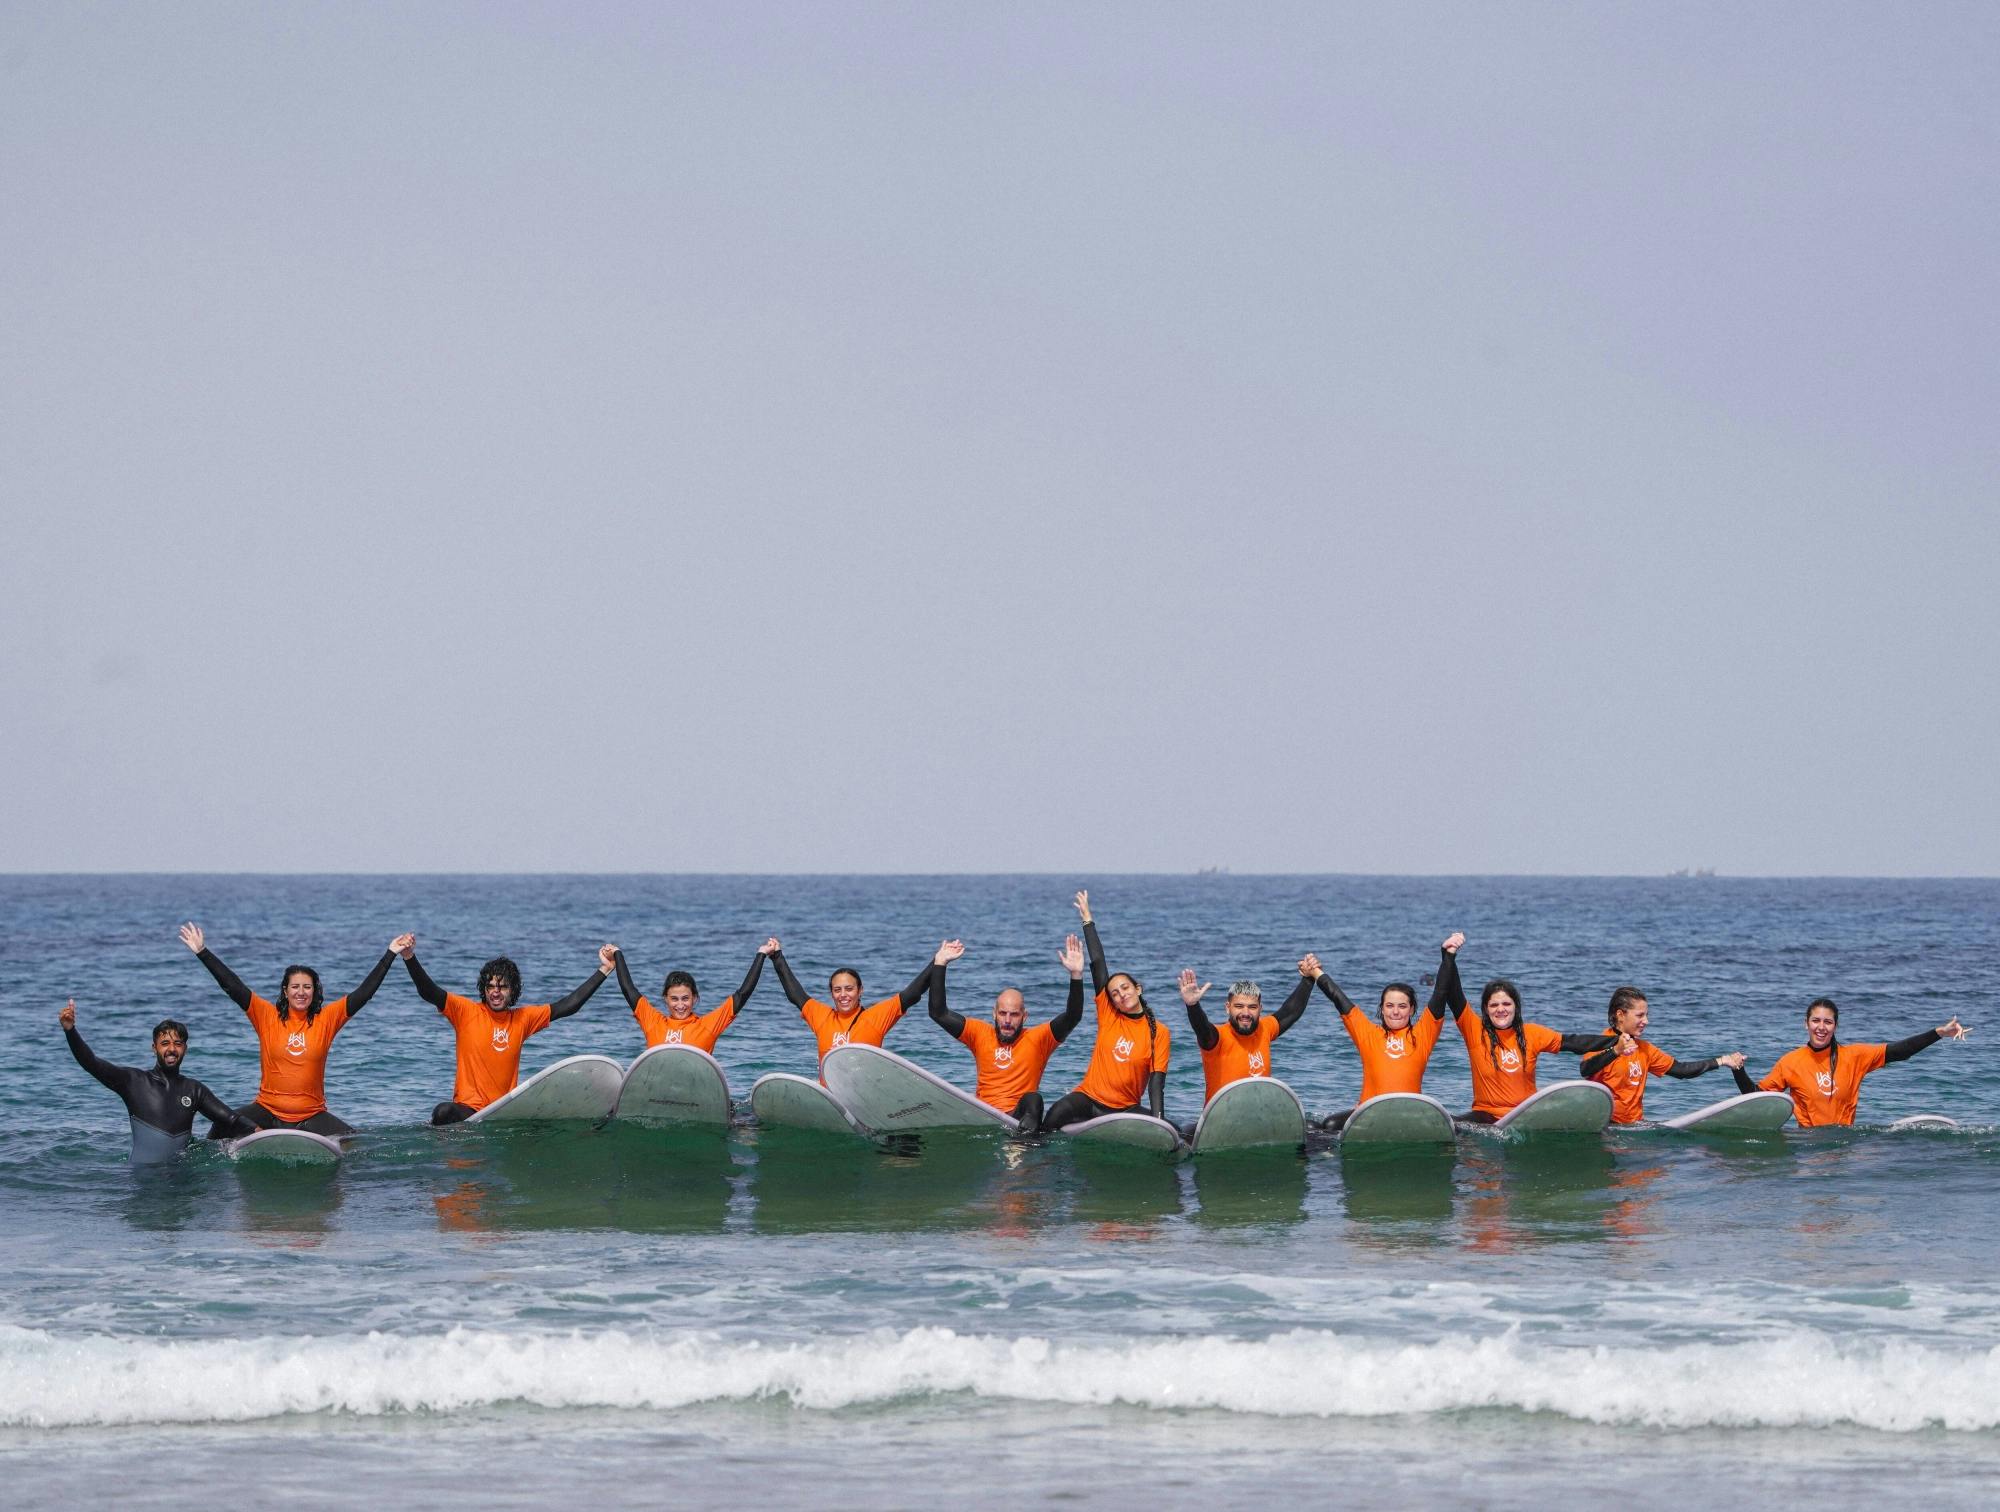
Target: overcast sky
[{"x": 988, "y": 438}]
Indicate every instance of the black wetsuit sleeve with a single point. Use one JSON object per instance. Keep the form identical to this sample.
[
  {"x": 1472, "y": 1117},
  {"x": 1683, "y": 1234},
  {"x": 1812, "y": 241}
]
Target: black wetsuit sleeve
[
  {"x": 1903, "y": 1049},
  {"x": 1156, "y": 1093},
  {"x": 1584, "y": 1044},
  {"x": 1592, "y": 1064},
  {"x": 750, "y": 980},
  {"x": 1687, "y": 1070},
  {"x": 117, "y": 1078},
  {"x": 428, "y": 990},
  {"x": 1447, "y": 992},
  {"x": 1204, "y": 1031},
  {"x": 358, "y": 998},
  {"x": 1334, "y": 995},
  {"x": 915, "y": 991},
  {"x": 788, "y": 981},
  {"x": 577, "y": 998},
  {"x": 952, "y": 1023},
  {"x": 1743, "y": 1081},
  {"x": 228, "y": 980},
  {"x": 625, "y": 983},
  {"x": 1293, "y": 1005},
  {"x": 228, "y": 1122},
  {"x": 1100, "y": 974},
  {"x": 1072, "y": 1014}
]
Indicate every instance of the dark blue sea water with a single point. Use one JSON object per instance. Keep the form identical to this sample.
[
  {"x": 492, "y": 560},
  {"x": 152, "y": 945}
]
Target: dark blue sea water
[{"x": 512, "y": 1316}]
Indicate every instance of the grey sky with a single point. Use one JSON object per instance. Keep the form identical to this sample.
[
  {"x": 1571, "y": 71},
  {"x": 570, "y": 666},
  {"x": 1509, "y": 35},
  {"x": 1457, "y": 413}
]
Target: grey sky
[{"x": 1317, "y": 438}]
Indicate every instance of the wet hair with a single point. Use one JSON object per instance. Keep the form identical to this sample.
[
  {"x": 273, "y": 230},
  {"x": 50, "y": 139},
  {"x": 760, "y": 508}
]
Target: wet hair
[
  {"x": 171, "y": 1026},
  {"x": 679, "y": 979},
  {"x": 1832, "y": 1045},
  {"x": 1486, "y": 995},
  {"x": 1383, "y": 1001},
  {"x": 841, "y": 971},
  {"x": 1246, "y": 989},
  {"x": 1622, "y": 998},
  {"x": 318, "y": 998},
  {"x": 508, "y": 974}
]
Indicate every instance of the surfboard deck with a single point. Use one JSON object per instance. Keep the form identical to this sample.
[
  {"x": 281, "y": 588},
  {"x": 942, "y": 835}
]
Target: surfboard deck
[
  {"x": 675, "y": 1084},
  {"x": 1131, "y": 1131},
  {"x": 1256, "y": 1112},
  {"x": 1399, "y": 1118},
  {"x": 285, "y": 1147},
  {"x": 1916, "y": 1121},
  {"x": 1745, "y": 1113},
  {"x": 888, "y": 1094},
  {"x": 1571, "y": 1107},
  {"x": 579, "y": 1087},
  {"x": 784, "y": 1101}
]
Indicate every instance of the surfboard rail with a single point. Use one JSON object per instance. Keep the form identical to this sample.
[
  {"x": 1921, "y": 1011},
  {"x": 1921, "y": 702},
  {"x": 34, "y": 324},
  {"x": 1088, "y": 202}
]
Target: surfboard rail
[
  {"x": 1251, "y": 1113},
  {"x": 674, "y": 1084},
  {"x": 575, "y": 1089},
  {"x": 884, "y": 1092}
]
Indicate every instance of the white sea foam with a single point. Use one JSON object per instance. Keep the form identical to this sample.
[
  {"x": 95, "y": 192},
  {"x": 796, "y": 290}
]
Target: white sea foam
[{"x": 1804, "y": 1379}]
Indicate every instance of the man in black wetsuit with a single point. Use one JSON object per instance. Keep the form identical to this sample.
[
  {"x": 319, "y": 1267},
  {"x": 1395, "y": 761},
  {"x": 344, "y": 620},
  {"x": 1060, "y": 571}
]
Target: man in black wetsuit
[{"x": 162, "y": 1103}]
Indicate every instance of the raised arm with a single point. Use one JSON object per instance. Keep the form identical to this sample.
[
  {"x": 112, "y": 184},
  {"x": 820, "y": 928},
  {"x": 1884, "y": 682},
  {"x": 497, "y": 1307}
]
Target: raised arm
[
  {"x": 1342, "y": 1003},
  {"x": 755, "y": 973},
  {"x": 1447, "y": 992},
  {"x": 358, "y": 998},
  {"x": 1072, "y": 1015},
  {"x": 428, "y": 990},
  {"x": 117, "y": 1078},
  {"x": 915, "y": 991},
  {"x": 1295, "y": 1001},
  {"x": 1204, "y": 1032},
  {"x": 625, "y": 983},
  {"x": 798, "y": 995},
  {"x": 229, "y": 981},
  {"x": 941, "y": 1015},
  {"x": 1100, "y": 974},
  {"x": 1903, "y": 1049},
  {"x": 577, "y": 997}
]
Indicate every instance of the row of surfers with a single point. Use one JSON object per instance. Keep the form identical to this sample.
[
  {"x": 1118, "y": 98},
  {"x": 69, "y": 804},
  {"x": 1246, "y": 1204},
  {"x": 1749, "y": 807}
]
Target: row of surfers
[{"x": 1128, "y": 1061}]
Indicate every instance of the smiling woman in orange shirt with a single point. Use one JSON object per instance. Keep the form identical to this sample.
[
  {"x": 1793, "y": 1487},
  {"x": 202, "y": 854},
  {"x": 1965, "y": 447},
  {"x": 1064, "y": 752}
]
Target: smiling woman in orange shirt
[
  {"x": 1130, "y": 1057},
  {"x": 1824, "y": 1076}
]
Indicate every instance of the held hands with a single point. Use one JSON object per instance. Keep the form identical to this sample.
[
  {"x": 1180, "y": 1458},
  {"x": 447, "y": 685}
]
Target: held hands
[
  {"x": 1191, "y": 994},
  {"x": 607, "y": 959},
  {"x": 1953, "y": 1030},
  {"x": 1072, "y": 958},
  {"x": 948, "y": 952},
  {"x": 67, "y": 1018},
  {"x": 405, "y": 945},
  {"x": 1310, "y": 967},
  {"x": 1452, "y": 942},
  {"x": 1082, "y": 902},
  {"x": 1733, "y": 1060},
  {"x": 770, "y": 947},
  {"x": 191, "y": 936},
  {"x": 1626, "y": 1044}
]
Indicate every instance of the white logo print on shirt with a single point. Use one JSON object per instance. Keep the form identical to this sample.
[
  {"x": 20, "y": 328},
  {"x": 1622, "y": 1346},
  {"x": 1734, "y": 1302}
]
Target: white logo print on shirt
[
  {"x": 500, "y": 1040},
  {"x": 295, "y": 1044}
]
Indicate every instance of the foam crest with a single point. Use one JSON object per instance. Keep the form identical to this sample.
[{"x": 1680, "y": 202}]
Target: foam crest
[{"x": 1805, "y": 1379}]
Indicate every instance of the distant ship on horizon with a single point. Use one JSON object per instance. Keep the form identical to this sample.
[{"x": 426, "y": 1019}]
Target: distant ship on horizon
[{"x": 1699, "y": 871}]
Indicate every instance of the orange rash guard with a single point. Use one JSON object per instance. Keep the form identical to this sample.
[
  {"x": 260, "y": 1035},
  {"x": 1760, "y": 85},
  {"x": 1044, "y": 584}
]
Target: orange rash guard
[
  {"x": 1119, "y": 1062},
  {"x": 1007, "y": 1073},
  {"x": 699, "y": 1030},
  {"x": 489, "y": 1047},
  {"x": 292, "y": 1057},
  {"x": 1502, "y": 1082},
  {"x": 1392, "y": 1062},
  {"x": 1821, "y": 1095},
  {"x": 1236, "y": 1056}
]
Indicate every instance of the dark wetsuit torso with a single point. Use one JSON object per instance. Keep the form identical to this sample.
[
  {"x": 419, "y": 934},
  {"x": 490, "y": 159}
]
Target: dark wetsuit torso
[{"x": 162, "y": 1103}]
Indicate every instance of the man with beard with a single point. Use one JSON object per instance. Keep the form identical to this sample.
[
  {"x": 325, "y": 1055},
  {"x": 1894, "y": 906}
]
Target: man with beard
[
  {"x": 161, "y": 1102},
  {"x": 1009, "y": 1055}
]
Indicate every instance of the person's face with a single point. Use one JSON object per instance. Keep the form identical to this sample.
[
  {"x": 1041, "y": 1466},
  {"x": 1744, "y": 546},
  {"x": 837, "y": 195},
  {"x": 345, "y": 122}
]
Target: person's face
[
  {"x": 1124, "y": 994},
  {"x": 298, "y": 992},
  {"x": 846, "y": 989},
  {"x": 1010, "y": 1015},
  {"x": 1397, "y": 1010},
  {"x": 169, "y": 1050},
  {"x": 1632, "y": 1020},
  {"x": 495, "y": 994},
  {"x": 1500, "y": 1009},
  {"x": 680, "y": 1001},
  {"x": 1243, "y": 1012},
  {"x": 1820, "y": 1024}
]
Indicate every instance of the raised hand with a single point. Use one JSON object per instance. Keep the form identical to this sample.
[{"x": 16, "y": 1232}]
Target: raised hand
[
  {"x": 769, "y": 947},
  {"x": 948, "y": 952},
  {"x": 607, "y": 959},
  {"x": 1452, "y": 942},
  {"x": 1309, "y": 966},
  {"x": 1627, "y": 1045},
  {"x": 1733, "y": 1060},
  {"x": 1082, "y": 903},
  {"x": 405, "y": 945},
  {"x": 1191, "y": 994},
  {"x": 67, "y": 1018},
  {"x": 1072, "y": 958},
  {"x": 1953, "y": 1030},
  {"x": 191, "y": 936}
]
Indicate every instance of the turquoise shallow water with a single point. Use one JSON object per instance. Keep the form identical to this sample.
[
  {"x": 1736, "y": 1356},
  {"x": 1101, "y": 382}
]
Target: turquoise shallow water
[{"x": 772, "y": 1321}]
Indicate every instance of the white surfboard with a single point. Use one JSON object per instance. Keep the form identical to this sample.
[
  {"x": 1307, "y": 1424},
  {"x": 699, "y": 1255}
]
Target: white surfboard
[
  {"x": 285, "y": 1147},
  {"x": 1746, "y": 1113},
  {"x": 1399, "y": 1118},
  {"x": 1133, "y": 1131},
  {"x": 1571, "y": 1107},
  {"x": 1251, "y": 1113},
  {"x": 888, "y": 1094},
  {"x": 782, "y": 1100},
  {"x": 580, "y": 1087},
  {"x": 675, "y": 1084},
  {"x": 1934, "y": 1121}
]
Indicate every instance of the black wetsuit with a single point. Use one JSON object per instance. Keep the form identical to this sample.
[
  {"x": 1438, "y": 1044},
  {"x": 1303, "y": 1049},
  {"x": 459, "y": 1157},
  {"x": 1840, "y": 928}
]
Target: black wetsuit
[
  {"x": 1076, "y": 1107},
  {"x": 322, "y": 1122},
  {"x": 632, "y": 993},
  {"x": 1028, "y": 1111},
  {"x": 1447, "y": 997},
  {"x": 162, "y": 1104},
  {"x": 1901, "y": 1050},
  {"x": 430, "y": 992}
]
